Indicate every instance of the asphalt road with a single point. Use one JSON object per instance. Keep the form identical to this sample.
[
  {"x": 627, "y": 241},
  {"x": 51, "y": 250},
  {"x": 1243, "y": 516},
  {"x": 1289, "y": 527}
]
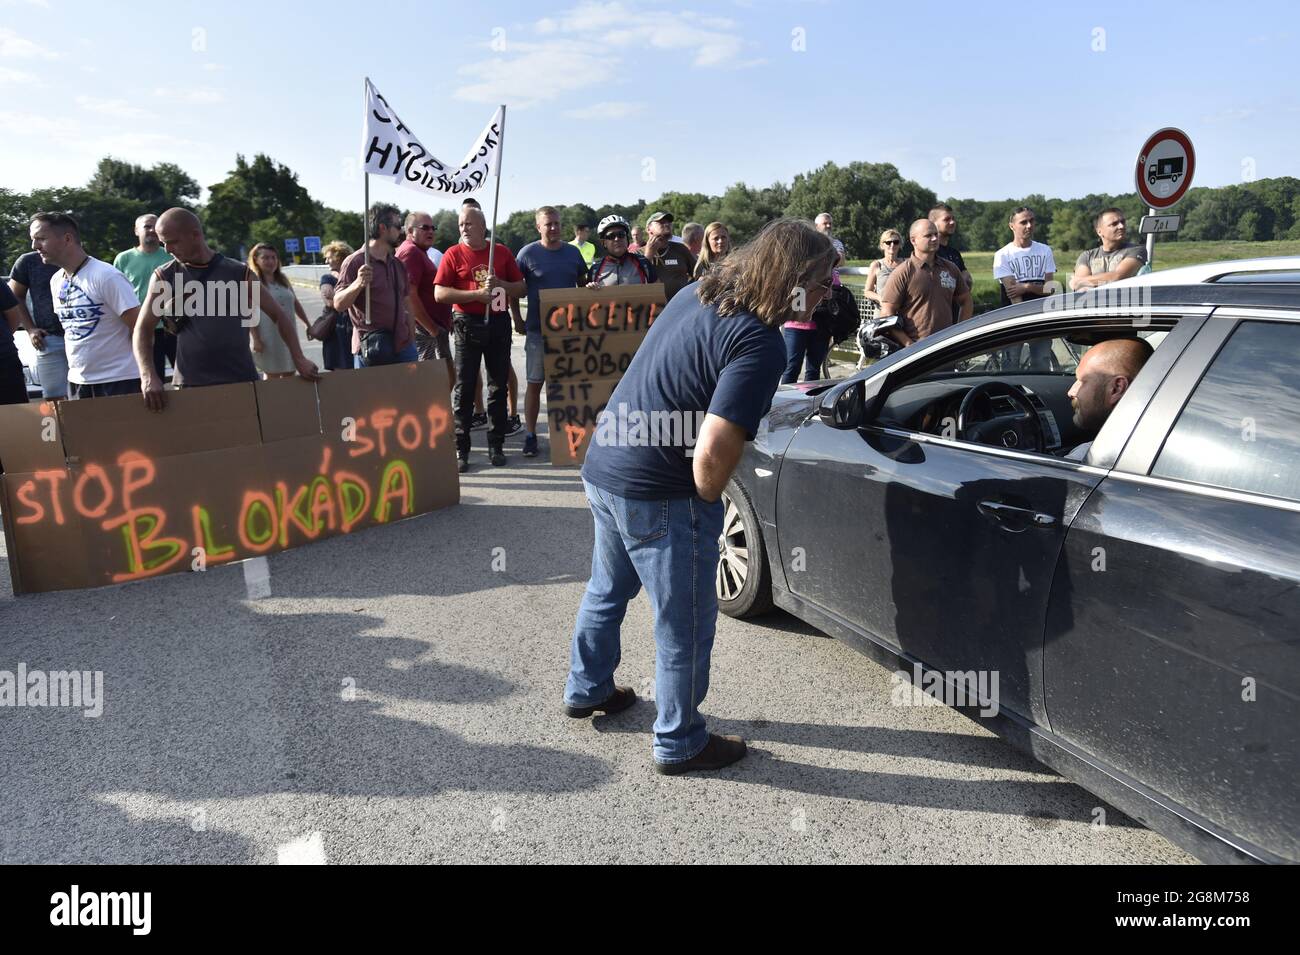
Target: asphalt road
[{"x": 397, "y": 699}]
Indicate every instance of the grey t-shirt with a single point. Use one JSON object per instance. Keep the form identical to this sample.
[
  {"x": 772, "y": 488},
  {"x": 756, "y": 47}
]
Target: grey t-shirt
[
  {"x": 35, "y": 274},
  {"x": 1097, "y": 260},
  {"x": 212, "y": 348}
]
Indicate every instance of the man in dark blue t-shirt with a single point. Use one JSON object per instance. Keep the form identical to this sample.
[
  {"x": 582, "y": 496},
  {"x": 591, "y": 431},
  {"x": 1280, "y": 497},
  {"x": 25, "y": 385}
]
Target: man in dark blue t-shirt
[
  {"x": 31, "y": 276},
  {"x": 548, "y": 263},
  {"x": 661, "y": 454}
]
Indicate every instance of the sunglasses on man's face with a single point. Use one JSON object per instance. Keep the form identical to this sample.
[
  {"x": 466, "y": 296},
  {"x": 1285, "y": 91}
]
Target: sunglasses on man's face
[
  {"x": 615, "y": 236},
  {"x": 893, "y": 242}
]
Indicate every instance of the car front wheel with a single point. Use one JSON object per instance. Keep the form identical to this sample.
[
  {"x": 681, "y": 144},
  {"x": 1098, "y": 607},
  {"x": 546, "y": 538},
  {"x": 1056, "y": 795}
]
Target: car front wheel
[{"x": 744, "y": 579}]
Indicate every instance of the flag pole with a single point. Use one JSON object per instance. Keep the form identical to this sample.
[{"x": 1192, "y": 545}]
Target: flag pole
[
  {"x": 496, "y": 200},
  {"x": 365, "y": 215}
]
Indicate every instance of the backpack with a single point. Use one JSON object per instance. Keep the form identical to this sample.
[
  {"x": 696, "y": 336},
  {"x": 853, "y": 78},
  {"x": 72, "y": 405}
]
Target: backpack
[{"x": 837, "y": 314}]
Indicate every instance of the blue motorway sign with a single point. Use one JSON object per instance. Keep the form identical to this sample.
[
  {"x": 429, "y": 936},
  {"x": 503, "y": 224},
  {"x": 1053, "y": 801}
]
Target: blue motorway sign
[
  {"x": 311, "y": 243},
  {"x": 291, "y": 245}
]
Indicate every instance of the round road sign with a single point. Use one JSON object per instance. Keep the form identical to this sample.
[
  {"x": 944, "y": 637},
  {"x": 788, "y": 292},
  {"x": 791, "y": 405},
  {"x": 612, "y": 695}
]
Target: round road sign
[{"x": 1164, "y": 168}]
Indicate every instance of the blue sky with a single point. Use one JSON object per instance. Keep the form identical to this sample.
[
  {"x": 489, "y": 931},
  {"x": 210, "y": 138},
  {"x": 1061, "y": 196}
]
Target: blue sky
[{"x": 973, "y": 100}]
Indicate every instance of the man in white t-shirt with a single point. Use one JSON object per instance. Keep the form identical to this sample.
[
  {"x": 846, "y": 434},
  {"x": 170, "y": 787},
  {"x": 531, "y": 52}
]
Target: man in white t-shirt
[
  {"x": 1025, "y": 268},
  {"x": 97, "y": 307}
]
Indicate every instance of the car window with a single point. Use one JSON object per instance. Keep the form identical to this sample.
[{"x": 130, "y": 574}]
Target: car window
[
  {"x": 1239, "y": 428},
  {"x": 1051, "y": 355}
]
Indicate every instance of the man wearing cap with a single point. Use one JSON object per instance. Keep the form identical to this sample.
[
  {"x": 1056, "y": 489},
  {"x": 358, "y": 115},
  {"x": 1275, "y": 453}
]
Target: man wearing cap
[
  {"x": 673, "y": 262},
  {"x": 618, "y": 266}
]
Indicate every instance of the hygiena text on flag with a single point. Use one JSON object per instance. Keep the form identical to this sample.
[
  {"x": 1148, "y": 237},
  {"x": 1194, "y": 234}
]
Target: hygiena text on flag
[{"x": 390, "y": 149}]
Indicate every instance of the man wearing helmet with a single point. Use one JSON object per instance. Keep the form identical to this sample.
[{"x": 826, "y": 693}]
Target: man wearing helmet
[{"x": 616, "y": 265}]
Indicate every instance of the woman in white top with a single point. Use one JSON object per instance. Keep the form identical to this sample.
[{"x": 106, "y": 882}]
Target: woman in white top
[{"x": 270, "y": 353}]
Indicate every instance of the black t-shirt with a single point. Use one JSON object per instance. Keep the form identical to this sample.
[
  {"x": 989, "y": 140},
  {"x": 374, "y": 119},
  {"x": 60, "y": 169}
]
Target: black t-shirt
[
  {"x": 7, "y": 301},
  {"x": 36, "y": 275},
  {"x": 949, "y": 254},
  {"x": 692, "y": 362}
]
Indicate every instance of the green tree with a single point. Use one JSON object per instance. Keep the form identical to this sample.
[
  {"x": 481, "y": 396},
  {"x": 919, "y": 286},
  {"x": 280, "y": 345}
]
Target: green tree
[
  {"x": 254, "y": 192},
  {"x": 864, "y": 198},
  {"x": 157, "y": 189},
  {"x": 1071, "y": 230},
  {"x": 339, "y": 225},
  {"x": 571, "y": 216},
  {"x": 179, "y": 188},
  {"x": 107, "y": 223}
]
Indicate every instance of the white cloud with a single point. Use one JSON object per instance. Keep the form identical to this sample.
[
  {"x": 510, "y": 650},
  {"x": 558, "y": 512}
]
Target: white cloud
[
  {"x": 581, "y": 49},
  {"x": 536, "y": 73},
  {"x": 36, "y": 124},
  {"x": 714, "y": 41},
  {"x": 213, "y": 67},
  {"x": 196, "y": 96},
  {"x": 144, "y": 148},
  {"x": 608, "y": 109},
  {"x": 12, "y": 46},
  {"x": 115, "y": 108},
  {"x": 1228, "y": 115},
  {"x": 10, "y": 77}
]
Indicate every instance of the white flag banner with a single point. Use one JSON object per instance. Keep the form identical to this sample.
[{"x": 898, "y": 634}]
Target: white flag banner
[{"x": 390, "y": 149}]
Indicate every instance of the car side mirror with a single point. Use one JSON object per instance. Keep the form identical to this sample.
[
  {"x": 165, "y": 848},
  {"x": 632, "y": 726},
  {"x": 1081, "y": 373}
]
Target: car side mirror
[
  {"x": 853, "y": 404},
  {"x": 842, "y": 409}
]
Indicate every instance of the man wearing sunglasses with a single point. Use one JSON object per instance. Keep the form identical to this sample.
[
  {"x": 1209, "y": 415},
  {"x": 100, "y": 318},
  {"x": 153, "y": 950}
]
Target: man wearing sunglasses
[
  {"x": 618, "y": 266},
  {"x": 432, "y": 318},
  {"x": 97, "y": 307}
]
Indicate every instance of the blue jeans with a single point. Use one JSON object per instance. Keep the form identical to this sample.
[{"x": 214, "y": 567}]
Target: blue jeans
[
  {"x": 52, "y": 367},
  {"x": 408, "y": 353},
  {"x": 807, "y": 347},
  {"x": 670, "y": 547}
]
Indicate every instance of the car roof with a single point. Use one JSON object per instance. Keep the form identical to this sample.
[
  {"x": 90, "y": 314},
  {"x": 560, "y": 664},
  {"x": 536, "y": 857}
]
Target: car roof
[
  {"x": 1276, "y": 268},
  {"x": 1214, "y": 294}
]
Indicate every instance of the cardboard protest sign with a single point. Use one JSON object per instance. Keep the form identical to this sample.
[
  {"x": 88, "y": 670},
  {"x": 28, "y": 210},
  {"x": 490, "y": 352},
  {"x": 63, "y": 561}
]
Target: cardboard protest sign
[
  {"x": 590, "y": 337},
  {"x": 103, "y": 491}
]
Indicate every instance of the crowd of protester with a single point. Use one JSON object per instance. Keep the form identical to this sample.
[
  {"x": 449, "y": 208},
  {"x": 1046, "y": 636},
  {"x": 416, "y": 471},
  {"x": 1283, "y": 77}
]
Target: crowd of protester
[{"x": 101, "y": 330}]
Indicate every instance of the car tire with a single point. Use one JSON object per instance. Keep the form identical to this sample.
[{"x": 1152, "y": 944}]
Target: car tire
[{"x": 744, "y": 577}]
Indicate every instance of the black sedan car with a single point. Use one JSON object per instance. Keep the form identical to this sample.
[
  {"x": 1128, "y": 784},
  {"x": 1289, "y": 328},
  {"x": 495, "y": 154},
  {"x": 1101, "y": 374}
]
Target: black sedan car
[{"x": 1139, "y": 609}]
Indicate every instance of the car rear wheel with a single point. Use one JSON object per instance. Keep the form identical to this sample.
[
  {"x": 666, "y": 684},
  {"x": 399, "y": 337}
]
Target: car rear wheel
[{"x": 744, "y": 579}]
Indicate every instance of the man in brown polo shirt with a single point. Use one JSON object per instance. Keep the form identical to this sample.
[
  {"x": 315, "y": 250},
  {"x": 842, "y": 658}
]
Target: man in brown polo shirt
[{"x": 923, "y": 290}]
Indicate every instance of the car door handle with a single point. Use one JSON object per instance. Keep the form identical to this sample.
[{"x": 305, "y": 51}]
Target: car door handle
[{"x": 1009, "y": 512}]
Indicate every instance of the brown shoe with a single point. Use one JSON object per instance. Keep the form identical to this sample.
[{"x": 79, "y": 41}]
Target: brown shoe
[
  {"x": 719, "y": 751},
  {"x": 619, "y": 700}
]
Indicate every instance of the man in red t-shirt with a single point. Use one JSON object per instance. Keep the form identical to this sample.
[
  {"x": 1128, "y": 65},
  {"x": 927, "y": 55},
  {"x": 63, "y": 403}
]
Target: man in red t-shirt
[
  {"x": 480, "y": 325},
  {"x": 432, "y": 319}
]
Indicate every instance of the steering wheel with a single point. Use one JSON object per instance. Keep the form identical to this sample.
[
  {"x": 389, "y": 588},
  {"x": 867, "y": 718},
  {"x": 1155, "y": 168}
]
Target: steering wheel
[{"x": 1019, "y": 432}]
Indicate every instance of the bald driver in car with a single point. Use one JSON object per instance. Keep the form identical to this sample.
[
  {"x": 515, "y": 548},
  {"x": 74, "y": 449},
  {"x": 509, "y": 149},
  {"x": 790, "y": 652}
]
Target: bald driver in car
[{"x": 1104, "y": 374}]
